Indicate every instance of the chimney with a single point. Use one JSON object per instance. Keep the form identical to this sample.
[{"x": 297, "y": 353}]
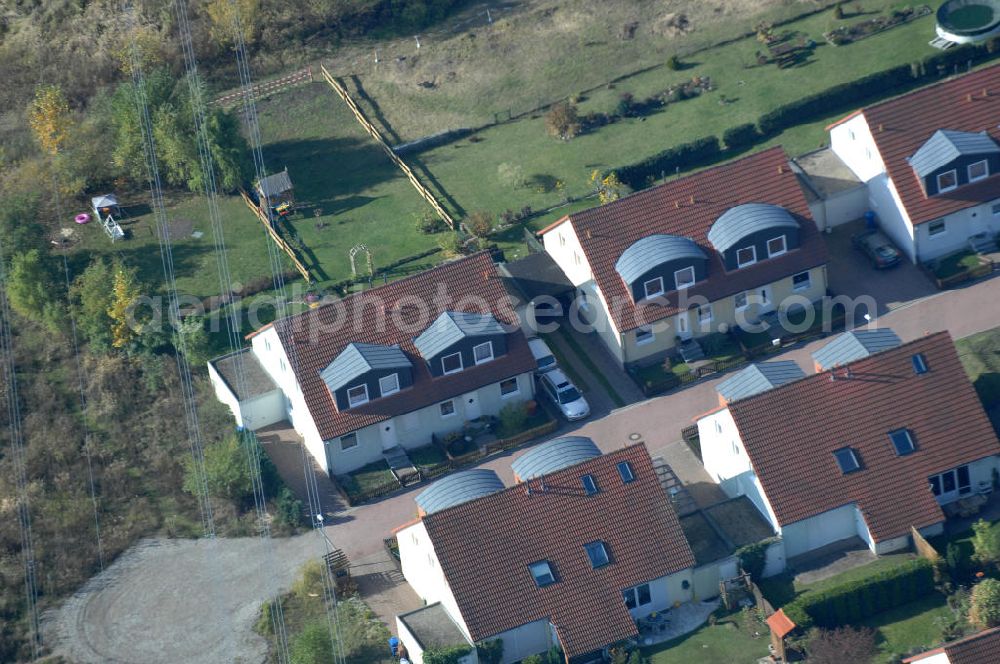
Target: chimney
[
  {"x": 692, "y": 199},
  {"x": 677, "y": 205},
  {"x": 781, "y": 168},
  {"x": 833, "y": 375},
  {"x": 881, "y": 127},
  {"x": 986, "y": 92},
  {"x": 968, "y": 97},
  {"x": 588, "y": 234}
]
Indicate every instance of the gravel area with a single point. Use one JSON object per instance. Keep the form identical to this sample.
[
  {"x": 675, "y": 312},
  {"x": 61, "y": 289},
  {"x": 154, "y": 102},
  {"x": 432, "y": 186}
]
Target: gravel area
[{"x": 189, "y": 601}]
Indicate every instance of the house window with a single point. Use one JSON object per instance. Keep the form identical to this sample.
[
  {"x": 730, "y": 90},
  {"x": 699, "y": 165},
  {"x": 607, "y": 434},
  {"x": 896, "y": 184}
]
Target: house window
[
  {"x": 508, "y": 387},
  {"x": 684, "y": 278},
  {"x": 597, "y": 553},
  {"x": 947, "y": 181},
  {"x": 718, "y": 426},
  {"x": 451, "y": 363},
  {"x": 736, "y": 448},
  {"x": 282, "y": 363},
  {"x": 776, "y": 246},
  {"x": 388, "y": 385},
  {"x": 625, "y": 470},
  {"x": 267, "y": 344},
  {"x": 801, "y": 281},
  {"x": 644, "y": 335},
  {"x": 919, "y": 363},
  {"x": 589, "y": 484},
  {"x": 936, "y": 227},
  {"x": 996, "y": 208},
  {"x": 705, "y": 314},
  {"x": 868, "y": 153},
  {"x": 542, "y": 573},
  {"x": 562, "y": 240},
  {"x": 576, "y": 258},
  {"x": 979, "y": 170},
  {"x": 740, "y": 300},
  {"x": 950, "y": 482},
  {"x": 638, "y": 596},
  {"x": 447, "y": 408},
  {"x": 348, "y": 441},
  {"x": 483, "y": 352},
  {"x": 653, "y": 287},
  {"x": 357, "y": 395},
  {"x": 850, "y": 132},
  {"x": 847, "y": 460},
  {"x": 746, "y": 256},
  {"x": 902, "y": 441}
]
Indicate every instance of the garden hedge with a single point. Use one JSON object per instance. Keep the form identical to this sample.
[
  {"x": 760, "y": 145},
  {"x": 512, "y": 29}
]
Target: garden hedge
[
  {"x": 740, "y": 136},
  {"x": 851, "y": 602},
  {"x": 680, "y": 157}
]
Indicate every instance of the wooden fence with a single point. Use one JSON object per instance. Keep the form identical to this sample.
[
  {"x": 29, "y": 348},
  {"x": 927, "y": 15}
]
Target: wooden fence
[
  {"x": 280, "y": 241},
  {"x": 374, "y": 132},
  {"x": 267, "y": 87}
]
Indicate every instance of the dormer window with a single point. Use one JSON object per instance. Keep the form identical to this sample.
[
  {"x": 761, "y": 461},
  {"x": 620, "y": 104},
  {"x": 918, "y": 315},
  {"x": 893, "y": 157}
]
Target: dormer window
[
  {"x": 979, "y": 170},
  {"x": 776, "y": 246},
  {"x": 684, "y": 278},
  {"x": 746, "y": 256},
  {"x": 947, "y": 181},
  {"x": 357, "y": 395},
  {"x": 653, "y": 287},
  {"x": 451, "y": 363},
  {"x": 388, "y": 384},
  {"x": 482, "y": 352}
]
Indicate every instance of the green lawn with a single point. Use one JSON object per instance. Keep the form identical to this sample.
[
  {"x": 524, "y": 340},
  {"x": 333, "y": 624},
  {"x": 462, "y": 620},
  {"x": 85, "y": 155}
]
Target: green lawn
[
  {"x": 781, "y": 589},
  {"x": 372, "y": 477},
  {"x": 427, "y": 456},
  {"x": 468, "y": 170},
  {"x": 722, "y": 642},
  {"x": 915, "y": 625},
  {"x": 980, "y": 355},
  {"x": 949, "y": 266}
]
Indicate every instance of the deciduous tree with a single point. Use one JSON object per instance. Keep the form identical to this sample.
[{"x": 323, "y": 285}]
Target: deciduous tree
[
  {"x": 563, "y": 121},
  {"x": 33, "y": 289},
  {"x": 124, "y": 295},
  {"x": 49, "y": 117},
  {"x": 984, "y": 609},
  {"x": 844, "y": 644},
  {"x": 224, "y": 15}
]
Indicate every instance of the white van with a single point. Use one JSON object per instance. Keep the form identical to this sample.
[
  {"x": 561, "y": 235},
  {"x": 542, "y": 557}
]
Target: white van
[{"x": 543, "y": 356}]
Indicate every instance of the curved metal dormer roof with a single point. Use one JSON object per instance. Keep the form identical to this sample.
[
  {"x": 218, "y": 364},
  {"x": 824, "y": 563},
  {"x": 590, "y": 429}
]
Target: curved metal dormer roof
[
  {"x": 738, "y": 222},
  {"x": 654, "y": 250},
  {"x": 458, "y": 488},
  {"x": 554, "y": 455}
]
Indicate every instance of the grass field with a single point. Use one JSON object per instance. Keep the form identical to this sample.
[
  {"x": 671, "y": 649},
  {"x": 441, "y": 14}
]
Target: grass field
[
  {"x": 980, "y": 355},
  {"x": 915, "y": 625},
  {"x": 722, "y": 642}
]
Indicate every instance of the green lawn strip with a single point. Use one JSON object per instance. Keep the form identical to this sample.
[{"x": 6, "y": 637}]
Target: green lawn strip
[
  {"x": 980, "y": 355},
  {"x": 916, "y": 625},
  {"x": 427, "y": 456},
  {"x": 563, "y": 360},
  {"x": 372, "y": 477},
  {"x": 951, "y": 265},
  {"x": 584, "y": 358},
  {"x": 722, "y": 642},
  {"x": 782, "y": 589},
  {"x": 469, "y": 171}
]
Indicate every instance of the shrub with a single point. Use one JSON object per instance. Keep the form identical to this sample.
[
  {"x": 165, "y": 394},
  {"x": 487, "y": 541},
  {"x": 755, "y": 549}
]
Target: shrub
[
  {"x": 479, "y": 223},
  {"x": 844, "y": 644},
  {"x": 740, "y": 136},
  {"x": 986, "y": 542},
  {"x": 312, "y": 645},
  {"x": 855, "y": 600},
  {"x": 451, "y": 244},
  {"x": 679, "y": 157},
  {"x": 838, "y": 11},
  {"x": 753, "y": 558},
  {"x": 490, "y": 652},
  {"x": 984, "y": 609},
  {"x": 447, "y": 654},
  {"x": 513, "y": 417},
  {"x": 626, "y": 103},
  {"x": 562, "y": 121},
  {"x": 288, "y": 509},
  {"x": 428, "y": 222},
  {"x": 673, "y": 63},
  {"x": 227, "y": 474}
]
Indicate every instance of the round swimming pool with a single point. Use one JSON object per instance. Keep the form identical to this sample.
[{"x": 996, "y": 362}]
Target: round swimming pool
[{"x": 965, "y": 21}]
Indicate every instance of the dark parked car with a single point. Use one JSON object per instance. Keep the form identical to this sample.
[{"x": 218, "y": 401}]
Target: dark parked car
[{"x": 878, "y": 248}]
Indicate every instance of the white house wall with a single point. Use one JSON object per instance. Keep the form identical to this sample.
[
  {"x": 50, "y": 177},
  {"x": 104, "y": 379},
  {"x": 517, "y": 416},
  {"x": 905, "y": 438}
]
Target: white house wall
[
  {"x": 225, "y": 395},
  {"x": 563, "y": 245},
  {"x": 271, "y": 355},
  {"x": 263, "y": 409},
  {"x": 845, "y": 206},
  {"x": 665, "y": 591},
  {"x": 414, "y": 429},
  {"x": 774, "y": 559},
  {"x": 529, "y": 639},
  {"x": 705, "y": 579},
  {"x": 892, "y": 217},
  {"x": 420, "y": 568},
  {"x": 812, "y": 533},
  {"x": 853, "y": 142},
  {"x": 721, "y": 448},
  {"x": 959, "y": 227}
]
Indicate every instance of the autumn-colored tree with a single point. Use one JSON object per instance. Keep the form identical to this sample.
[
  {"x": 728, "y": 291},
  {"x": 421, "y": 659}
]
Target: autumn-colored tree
[
  {"x": 145, "y": 41},
  {"x": 227, "y": 14},
  {"x": 125, "y": 294},
  {"x": 984, "y": 609},
  {"x": 609, "y": 188},
  {"x": 844, "y": 644},
  {"x": 479, "y": 223},
  {"x": 50, "y": 118},
  {"x": 562, "y": 121}
]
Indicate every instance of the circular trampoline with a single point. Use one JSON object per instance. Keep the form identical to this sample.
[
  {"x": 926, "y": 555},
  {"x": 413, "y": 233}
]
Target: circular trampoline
[{"x": 968, "y": 21}]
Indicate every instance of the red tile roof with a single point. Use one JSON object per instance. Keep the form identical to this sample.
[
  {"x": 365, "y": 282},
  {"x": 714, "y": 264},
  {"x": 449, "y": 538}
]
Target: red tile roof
[
  {"x": 780, "y": 624},
  {"x": 790, "y": 434},
  {"x": 607, "y": 231},
  {"x": 484, "y": 548},
  {"x": 901, "y": 125},
  {"x": 979, "y": 648},
  {"x": 313, "y": 339}
]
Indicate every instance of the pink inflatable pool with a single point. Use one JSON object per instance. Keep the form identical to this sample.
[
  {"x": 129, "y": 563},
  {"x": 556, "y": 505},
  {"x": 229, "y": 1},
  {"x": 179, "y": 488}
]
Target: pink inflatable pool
[{"x": 82, "y": 218}]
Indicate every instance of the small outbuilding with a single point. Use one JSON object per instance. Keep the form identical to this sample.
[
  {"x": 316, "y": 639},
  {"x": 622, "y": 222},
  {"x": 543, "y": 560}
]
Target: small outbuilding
[
  {"x": 276, "y": 189},
  {"x": 105, "y": 205}
]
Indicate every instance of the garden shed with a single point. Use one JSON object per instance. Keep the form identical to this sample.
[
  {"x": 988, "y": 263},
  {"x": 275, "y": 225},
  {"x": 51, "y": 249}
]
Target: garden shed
[{"x": 276, "y": 189}]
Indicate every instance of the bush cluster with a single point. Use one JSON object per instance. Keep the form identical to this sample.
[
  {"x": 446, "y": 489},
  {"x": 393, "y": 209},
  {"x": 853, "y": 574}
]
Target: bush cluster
[
  {"x": 740, "y": 136},
  {"x": 680, "y": 157},
  {"x": 856, "y": 600}
]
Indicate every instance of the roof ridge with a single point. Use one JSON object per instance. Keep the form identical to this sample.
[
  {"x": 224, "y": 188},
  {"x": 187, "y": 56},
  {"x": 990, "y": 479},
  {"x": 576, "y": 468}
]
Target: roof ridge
[
  {"x": 824, "y": 372},
  {"x": 933, "y": 84}
]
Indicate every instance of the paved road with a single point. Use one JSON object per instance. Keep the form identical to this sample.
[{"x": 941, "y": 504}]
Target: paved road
[{"x": 183, "y": 601}]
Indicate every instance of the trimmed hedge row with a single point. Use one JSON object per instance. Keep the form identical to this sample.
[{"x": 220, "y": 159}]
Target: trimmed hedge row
[
  {"x": 851, "y": 602},
  {"x": 680, "y": 157}
]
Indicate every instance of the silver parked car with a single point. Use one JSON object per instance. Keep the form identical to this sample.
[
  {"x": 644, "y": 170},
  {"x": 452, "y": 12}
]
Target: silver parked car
[{"x": 564, "y": 395}]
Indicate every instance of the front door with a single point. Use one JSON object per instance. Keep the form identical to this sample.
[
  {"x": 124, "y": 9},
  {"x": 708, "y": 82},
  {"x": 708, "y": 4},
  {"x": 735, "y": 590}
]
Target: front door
[
  {"x": 683, "y": 326},
  {"x": 387, "y": 430},
  {"x": 472, "y": 410}
]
